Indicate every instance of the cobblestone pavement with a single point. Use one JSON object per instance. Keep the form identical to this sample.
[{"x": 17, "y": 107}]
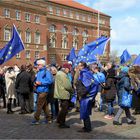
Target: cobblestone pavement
[{"x": 17, "y": 126}]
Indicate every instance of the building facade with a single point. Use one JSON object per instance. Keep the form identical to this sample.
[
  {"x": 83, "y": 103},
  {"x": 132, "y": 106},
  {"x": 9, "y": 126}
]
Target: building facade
[{"x": 50, "y": 28}]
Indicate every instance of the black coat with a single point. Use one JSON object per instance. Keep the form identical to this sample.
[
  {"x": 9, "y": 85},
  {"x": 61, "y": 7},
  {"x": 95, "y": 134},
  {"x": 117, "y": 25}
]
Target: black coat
[{"x": 24, "y": 83}]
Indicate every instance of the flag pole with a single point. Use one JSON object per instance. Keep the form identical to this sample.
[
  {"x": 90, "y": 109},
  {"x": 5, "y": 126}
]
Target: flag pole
[{"x": 98, "y": 30}]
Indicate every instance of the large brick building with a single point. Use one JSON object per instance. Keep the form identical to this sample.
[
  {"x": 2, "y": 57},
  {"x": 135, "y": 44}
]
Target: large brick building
[{"x": 50, "y": 28}]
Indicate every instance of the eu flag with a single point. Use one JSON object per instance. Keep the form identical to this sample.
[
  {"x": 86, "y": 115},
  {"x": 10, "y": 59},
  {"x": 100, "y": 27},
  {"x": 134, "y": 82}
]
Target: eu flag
[
  {"x": 14, "y": 46},
  {"x": 125, "y": 57},
  {"x": 71, "y": 56},
  {"x": 97, "y": 45},
  {"x": 137, "y": 61}
]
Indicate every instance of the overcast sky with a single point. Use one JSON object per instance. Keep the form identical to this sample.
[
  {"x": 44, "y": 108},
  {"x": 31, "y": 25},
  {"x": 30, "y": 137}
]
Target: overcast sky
[{"x": 125, "y": 22}]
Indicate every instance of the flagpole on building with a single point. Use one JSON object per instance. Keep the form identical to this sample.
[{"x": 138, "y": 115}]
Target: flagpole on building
[{"x": 98, "y": 30}]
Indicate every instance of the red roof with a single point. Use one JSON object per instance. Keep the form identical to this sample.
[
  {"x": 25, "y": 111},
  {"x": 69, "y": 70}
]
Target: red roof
[{"x": 75, "y": 4}]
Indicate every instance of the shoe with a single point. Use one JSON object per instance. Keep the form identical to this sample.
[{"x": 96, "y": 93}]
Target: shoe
[
  {"x": 84, "y": 131},
  {"x": 136, "y": 113},
  {"x": 132, "y": 122},
  {"x": 34, "y": 122},
  {"x": 109, "y": 117},
  {"x": 10, "y": 112},
  {"x": 44, "y": 122},
  {"x": 64, "y": 126},
  {"x": 77, "y": 110},
  {"x": 23, "y": 112},
  {"x": 116, "y": 123}
]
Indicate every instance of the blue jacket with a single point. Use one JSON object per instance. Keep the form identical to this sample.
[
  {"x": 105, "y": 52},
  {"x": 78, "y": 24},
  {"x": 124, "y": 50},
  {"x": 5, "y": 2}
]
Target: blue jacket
[
  {"x": 45, "y": 77},
  {"x": 123, "y": 85}
]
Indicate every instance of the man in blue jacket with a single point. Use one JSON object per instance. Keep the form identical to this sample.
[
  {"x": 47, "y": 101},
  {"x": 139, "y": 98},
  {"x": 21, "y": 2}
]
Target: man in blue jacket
[{"x": 42, "y": 82}]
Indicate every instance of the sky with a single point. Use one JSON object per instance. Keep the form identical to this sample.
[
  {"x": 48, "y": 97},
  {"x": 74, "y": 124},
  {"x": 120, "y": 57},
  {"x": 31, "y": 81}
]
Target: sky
[{"x": 125, "y": 22}]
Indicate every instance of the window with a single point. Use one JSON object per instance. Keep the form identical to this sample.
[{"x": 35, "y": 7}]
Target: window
[
  {"x": 64, "y": 13},
  {"x": 7, "y": 34},
  {"x": 37, "y": 38},
  {"x": 85, "y": 34},
  {"x": 83, "y": 18},
  {"x": 57, "y": 11},
  {"x": 64, "y": 57},
  {"x": 64, "y": 30},
  {"x": 28, "y": 54},
  {"x": 89, "y": 19},
  {"x": 27, "y": 17},
  {"x": 64, "y": 42},
  {"x": 19, "y": 32},
  {"x": 37, "y": 19},
  {"x": 71, "y": 14},
  {"x": 18, "y": 15},
  {"x": 18, "y": 56},
  {"x": 75, "y": 44},
  {"x": 7, "y": 13},
  {"x": 52, "y": 58},
  {"x": 28, "y": 36},
  {"x": 50, "y": 9},
  {"x": 77, "y": 16},
  {"x": 36, "y": 54},
  {"x": 52, "y": 41},
  {"x": 85, "y": 37},
  {"x": 52, "y": 28},
  {"x": 75, "y": 32}
]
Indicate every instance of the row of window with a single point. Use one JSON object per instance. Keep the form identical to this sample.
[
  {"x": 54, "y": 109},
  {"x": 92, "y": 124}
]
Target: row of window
[
  {"x": 68, "y": 13},
  {"x": 28, "y": 55},
  {"x": 7, "y": 36},
  {"x": 18, "y": 15},
  {"x": 75, "y": 31}
]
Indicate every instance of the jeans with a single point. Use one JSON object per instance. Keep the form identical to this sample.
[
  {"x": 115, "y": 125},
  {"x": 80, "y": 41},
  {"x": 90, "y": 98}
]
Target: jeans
[
  {"x": 119, "y": 113},
  {"x": 110, "y": 108},
  {"x": 35, "y": 101},
  {"x": 54, "y": 108}
]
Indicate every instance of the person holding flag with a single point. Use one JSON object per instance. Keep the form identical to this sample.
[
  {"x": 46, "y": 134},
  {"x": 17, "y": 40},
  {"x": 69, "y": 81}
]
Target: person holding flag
[{"x": 87, "y": 88}]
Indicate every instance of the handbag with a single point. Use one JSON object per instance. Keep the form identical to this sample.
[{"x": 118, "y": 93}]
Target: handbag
[{"x": 126, "y": 100}]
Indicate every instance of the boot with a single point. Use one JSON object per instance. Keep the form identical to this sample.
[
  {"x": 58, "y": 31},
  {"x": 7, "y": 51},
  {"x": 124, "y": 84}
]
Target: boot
[
  {"x": 9, "y": 110},
  {"x": 15, "y": 103}
]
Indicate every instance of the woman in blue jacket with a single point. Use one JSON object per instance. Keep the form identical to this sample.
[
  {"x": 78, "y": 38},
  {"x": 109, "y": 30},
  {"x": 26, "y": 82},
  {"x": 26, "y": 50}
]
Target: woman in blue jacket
[{"x": 123, "y": 85}]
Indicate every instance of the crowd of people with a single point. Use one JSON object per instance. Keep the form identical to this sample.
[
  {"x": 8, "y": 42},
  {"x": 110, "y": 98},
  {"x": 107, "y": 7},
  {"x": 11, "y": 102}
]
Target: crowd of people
[{"x": 55, "y": 89}]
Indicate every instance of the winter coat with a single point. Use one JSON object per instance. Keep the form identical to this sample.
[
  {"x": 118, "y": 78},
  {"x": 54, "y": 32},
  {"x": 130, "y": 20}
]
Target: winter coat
[
  {"x": 2, "y": 85},
  {"x": 135, "y": 83},
  {"x": 45, "y": 77},
  {"x": 10, "y": 84},
  {"x": 24, "y": 83},
  {"x": 63, "y": 87},
  {"x": 123, "y": 85}
]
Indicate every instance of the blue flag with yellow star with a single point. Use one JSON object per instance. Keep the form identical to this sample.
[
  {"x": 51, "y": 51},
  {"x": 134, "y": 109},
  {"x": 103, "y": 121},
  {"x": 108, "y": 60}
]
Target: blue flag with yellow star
[
  {"x": 14, "y": 46},
  {"x": 71, "y": 56},
  {"x": 125, "y": 57},
  {"x": 96, "y": 47},
  {"x": 137, "y": 61}
]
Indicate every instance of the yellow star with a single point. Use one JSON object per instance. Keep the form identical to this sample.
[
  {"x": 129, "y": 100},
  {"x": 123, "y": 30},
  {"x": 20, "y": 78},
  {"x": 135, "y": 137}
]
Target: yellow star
[
  {"x": 10, "y": 48},
  {"x": 9, "y": 52},
  {"x": 6, "y": 57},
  {"x": 96, "y": 42},
  {"x": 97, "y": 47}
]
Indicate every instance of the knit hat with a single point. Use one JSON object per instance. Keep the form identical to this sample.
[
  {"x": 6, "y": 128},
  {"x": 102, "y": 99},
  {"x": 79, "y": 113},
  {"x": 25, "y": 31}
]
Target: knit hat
[
  {"x": 66, "y": 65},
  {"x": 125, "y": 69},
  {"x": 41, "y": 62}
]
